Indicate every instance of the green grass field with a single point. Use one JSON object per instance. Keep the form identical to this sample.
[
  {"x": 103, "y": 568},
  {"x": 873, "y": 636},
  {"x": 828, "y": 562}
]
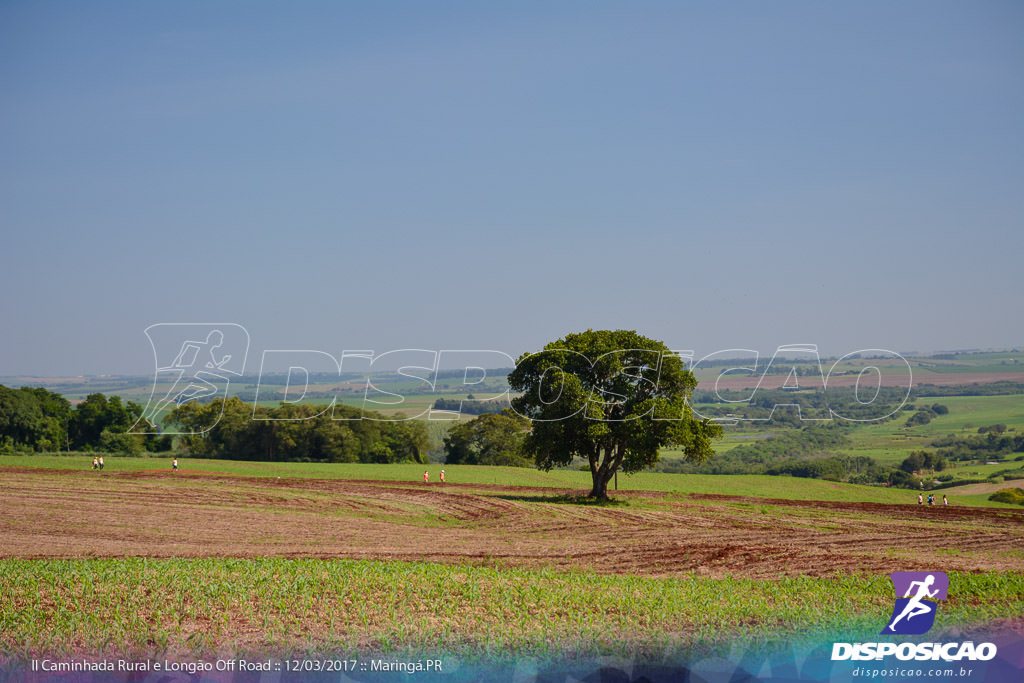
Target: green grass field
[
  {"x": 967, "y": 413},
  {"x": 751, "y": 486},
  {"x": 201, "y": 607},
  {"x": 890, "y": 442}
]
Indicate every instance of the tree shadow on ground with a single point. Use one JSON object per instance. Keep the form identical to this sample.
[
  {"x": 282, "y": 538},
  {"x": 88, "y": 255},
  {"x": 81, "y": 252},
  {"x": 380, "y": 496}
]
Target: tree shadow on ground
[{"x": 564, "y": 500}]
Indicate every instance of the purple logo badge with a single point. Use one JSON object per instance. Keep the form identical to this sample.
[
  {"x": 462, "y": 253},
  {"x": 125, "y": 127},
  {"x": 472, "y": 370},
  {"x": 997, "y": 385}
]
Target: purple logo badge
[{"x": 916, "y": 596}]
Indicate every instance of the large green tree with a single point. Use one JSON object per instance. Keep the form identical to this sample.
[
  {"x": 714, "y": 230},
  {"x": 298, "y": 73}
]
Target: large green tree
[{"x": 612, "y": 397}]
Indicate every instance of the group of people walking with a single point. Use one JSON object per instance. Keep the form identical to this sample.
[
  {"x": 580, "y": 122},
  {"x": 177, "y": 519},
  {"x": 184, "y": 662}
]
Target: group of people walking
[
  {"x": 97, "y": 464},
  {"x": 426, "y": 476},
  {"x": 931, "y": 499}
]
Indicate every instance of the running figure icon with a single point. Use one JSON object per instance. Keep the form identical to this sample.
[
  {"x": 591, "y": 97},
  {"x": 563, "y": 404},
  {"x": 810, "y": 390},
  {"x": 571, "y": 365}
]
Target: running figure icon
[
  {"x": 194, "y": 373},
  {"x": 191, "y": 362},
  {"x": 917, "y": 596}
]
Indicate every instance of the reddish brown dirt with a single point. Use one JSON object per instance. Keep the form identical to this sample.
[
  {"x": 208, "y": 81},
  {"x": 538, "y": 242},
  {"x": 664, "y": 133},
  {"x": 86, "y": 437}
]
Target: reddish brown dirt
[{"x": 63, "y": 514}]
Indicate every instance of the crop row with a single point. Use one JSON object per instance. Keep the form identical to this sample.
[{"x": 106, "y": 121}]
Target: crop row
[{"x": 218, "y": 606}]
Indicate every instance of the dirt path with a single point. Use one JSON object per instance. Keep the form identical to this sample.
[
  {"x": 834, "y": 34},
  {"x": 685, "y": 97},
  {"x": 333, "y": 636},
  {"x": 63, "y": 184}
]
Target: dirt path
[{"x": 63, "y": 514}]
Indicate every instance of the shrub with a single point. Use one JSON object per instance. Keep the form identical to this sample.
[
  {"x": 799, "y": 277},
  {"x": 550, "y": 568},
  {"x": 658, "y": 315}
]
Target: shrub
[{"x": 1014, "y": 496}]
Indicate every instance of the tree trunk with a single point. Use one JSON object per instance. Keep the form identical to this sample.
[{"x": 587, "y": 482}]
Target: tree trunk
[
  {"x": 603, "y": 474},
  {"x": 600, "y": 487},
  {"x": 599, "y": 490}
]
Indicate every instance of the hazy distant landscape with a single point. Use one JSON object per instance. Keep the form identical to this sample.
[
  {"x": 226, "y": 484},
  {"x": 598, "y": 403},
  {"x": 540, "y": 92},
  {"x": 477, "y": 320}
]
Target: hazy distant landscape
[
  {"x": 535, "y": 341},
  {"x": 778, "y": 418},
  {"x": 795, "y": 496}
]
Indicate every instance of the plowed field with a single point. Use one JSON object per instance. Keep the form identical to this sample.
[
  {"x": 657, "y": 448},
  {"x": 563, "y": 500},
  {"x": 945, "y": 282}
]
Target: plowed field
[{"x": 70, "y": 514}]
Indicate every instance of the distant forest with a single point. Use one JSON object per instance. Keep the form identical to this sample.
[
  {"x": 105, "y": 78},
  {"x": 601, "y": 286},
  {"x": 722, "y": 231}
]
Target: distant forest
[
  {"x": 34, "y": 419},
  {"x": 471, "y": 407},
  {"x": 299, "y": 433},
  {"x": 37, "y": 420}
]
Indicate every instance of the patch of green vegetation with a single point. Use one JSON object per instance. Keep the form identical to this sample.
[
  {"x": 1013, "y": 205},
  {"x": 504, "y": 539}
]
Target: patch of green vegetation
[
  {"x": 1014, "y": 496},
  {"x": 198, "y": 607},
  {"x": 967, "y": 413}
]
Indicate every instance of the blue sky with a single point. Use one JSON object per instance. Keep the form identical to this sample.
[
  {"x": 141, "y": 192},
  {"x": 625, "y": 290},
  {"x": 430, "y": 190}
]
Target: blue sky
[{"x": 481, "y": 175}]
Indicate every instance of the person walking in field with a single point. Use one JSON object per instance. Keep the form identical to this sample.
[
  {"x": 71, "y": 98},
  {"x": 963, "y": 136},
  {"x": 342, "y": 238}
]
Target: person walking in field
[
  {"x": 426, "y": 477},
  {"x": 95, "y": 464},
  {"x": 101, "y": 462},
  {"x": 174, "y": 465},
  {"x": 442, "y": 476},
  {"x": 920, "y": 499},
  {"x": 945, "y": 501},
  {"x": 931, "y": 499}
]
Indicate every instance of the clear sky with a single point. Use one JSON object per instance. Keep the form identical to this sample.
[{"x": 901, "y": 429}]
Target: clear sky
[{"x": 495, "y": 175}]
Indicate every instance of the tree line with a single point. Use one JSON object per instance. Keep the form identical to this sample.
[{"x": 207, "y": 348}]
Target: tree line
[
  {"x": 38, "y": 420},
  {"x": 769, "y": 452},
  {"x": 1000, "y": 388},
  {"x": 990, "y": 444},
  {"x": 813, "y": 452},
  {"x": 471, "y": 407},
  {"x": 778, "y": 405},
  {"x": 33, "y": 419},
  {"x": 298, "y": 433}
]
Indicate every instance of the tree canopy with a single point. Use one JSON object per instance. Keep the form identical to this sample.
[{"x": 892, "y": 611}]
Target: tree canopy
[
  {"x": 299, "y": 432},
  {"x": 612, "y": 397},
  {"x": 36, "y": 419},
  {"x": 491, "y": 439}
]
